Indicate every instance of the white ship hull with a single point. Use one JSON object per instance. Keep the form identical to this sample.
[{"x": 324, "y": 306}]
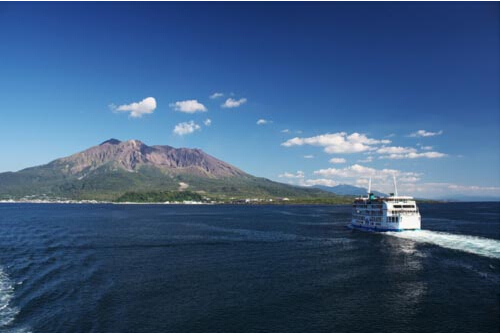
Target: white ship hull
[
  {"x": 406, "y": 223},
  {"x": 393, "y": 213}
]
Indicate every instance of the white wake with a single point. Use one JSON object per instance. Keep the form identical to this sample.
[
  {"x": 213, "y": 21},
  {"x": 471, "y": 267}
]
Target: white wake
[
  {"x": 7, "y": 312},
  {"x": 472, "y": 244}
]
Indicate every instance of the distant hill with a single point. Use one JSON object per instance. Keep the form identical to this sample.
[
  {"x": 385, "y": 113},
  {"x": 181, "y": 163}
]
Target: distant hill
[
  {"x": 110, "y": 170},
  {"x": 350, "y": 190}
]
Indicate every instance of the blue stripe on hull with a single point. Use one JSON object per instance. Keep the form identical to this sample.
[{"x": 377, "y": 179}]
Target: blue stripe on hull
[{"x": 351, "y": 226}]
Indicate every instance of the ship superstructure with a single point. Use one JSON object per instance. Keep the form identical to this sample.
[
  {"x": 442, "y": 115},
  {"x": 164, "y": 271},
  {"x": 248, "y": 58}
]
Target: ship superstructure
[{"x": 392, "y": 213}]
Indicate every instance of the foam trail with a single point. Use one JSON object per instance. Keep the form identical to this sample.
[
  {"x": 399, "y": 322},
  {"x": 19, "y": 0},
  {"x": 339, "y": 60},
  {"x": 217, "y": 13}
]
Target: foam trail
[
  {"x": 7, "y": 312},
  {"x": 477, "y": 245}
]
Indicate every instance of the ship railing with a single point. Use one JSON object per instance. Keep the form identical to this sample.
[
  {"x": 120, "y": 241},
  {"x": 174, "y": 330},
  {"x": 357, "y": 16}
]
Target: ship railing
[{"x": 404, "y": 214}]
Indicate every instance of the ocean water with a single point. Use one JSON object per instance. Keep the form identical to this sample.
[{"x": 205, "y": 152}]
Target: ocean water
[{"x": 167, "y": 268}]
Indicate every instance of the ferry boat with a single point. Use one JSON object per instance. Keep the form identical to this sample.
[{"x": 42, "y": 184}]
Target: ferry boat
[{"x": 392, "y": 213}]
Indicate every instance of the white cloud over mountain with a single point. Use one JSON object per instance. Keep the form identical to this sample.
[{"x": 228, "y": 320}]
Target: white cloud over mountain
[
  {"x": 146, "y": 106},
  {"x": 321, "y": 181},
  {"x": 186, "y": 128}
]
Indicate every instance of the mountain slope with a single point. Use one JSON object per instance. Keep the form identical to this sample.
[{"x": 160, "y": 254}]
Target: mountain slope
[
  {"x": 133, "y": 154},
  {"x": 113, "y": 168}
]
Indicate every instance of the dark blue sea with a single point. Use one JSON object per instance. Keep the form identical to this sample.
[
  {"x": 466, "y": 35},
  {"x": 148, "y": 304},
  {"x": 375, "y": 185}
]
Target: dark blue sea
[{"x": 176, "y": 268}]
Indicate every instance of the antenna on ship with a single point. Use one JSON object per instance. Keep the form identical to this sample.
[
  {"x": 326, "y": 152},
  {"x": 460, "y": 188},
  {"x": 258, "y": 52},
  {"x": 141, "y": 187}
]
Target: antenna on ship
[
  {"x": 395, "y": 184},
  {"x": 369, "y": 190}
]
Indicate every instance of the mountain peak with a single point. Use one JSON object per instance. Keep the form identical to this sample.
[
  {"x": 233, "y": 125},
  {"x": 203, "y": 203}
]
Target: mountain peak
[
  {"x": 132, "y": 155},
  {"x": 111, "y": 141}
]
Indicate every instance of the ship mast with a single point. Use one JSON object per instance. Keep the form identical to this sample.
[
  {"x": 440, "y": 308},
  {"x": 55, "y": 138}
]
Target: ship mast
[
  {"x": 395, "y": 185},
  {"x": 369, "y": 190}
]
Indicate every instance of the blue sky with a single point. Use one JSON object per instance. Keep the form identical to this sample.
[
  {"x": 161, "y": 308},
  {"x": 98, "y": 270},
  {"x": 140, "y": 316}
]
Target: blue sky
[{"x": 410, "y": 89}]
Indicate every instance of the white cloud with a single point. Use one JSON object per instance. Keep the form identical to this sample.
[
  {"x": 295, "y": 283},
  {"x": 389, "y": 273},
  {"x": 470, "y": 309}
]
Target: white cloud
[
  {"x": 263, "y": 122},
  {"x": 216, "y": 95},
  {"x": 394, "y": 153},
  {"x": 338, "y": 142},
  {"x": 352, "y": 171},
  {"x": 410, "y": 186},
  {"x": 146, "y": 106},
  {"x": 408, "y": 183},
  {"x": 298, "y": 174},
  {"x": 337, "y": 160},
  {"x": 445, "y": 190},
  {"x": 308, "y": 156},
  {"x": 233, "y": 103},
  {"x": 189, "y": 106},
  {"x": 423, "y": 133},
  {"x": 408, "y": 179},
  {"x": 357, "y": 170},
  {"x": 366, "y": 160},
  {"x": 358, "y": 175},
  {"x": 412, "y": 155},
  {"x": 395, "y": 150},
  {"x": 321, "y": 181},
  {"x": 186, "y": 128},
  {"x": 466, "y": 188},
  {"x": 207, "y": 122},
  {"x": 285, "y": 130}
]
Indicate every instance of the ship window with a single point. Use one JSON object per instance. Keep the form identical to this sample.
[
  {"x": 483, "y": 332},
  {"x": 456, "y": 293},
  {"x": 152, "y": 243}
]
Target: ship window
[
  {"x": 393, "y": 219},
  {"x": 408, "y": 206},
  {"x": 397, "y": 206}
]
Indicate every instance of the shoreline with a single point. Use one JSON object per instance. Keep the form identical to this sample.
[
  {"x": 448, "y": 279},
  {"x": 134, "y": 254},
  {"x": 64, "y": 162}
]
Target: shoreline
[
  {"x": 195, "y": 203},
  {"x": 96, "y": 202}
]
